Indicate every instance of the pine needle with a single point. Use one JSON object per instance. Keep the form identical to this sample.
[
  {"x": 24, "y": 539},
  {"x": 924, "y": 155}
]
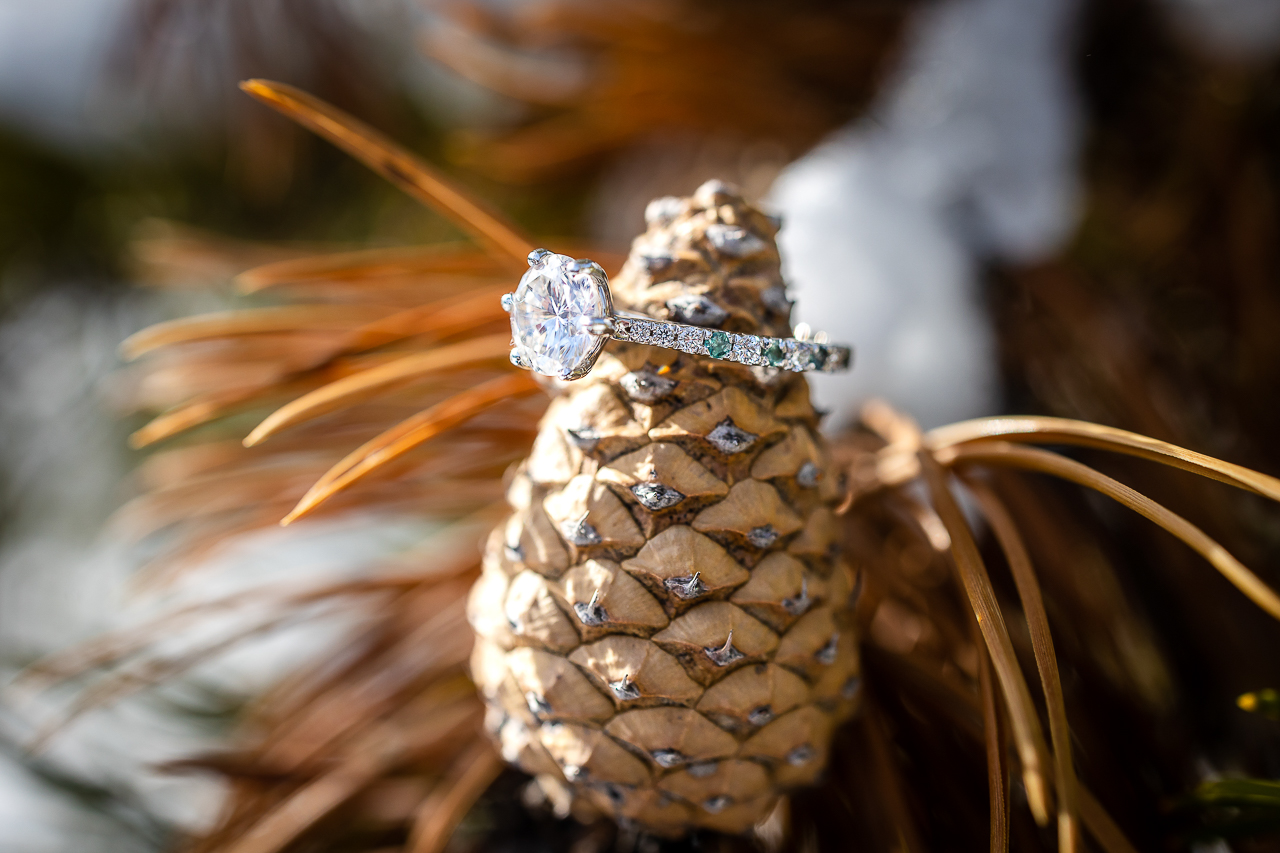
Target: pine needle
[
  {"x": 248, "y": 321},
  {"x": 397, "y": 165},
  {"x": 1027, "y": 736},
  {"x": 1004, "y": 453},
  {"x": 378, "y": 752},
  {"x": 363, "y": 264},
  {"x": 961, "y": 708},
  {"x": 1101, "y": 826},
  {"x": 192, "y": 414},
  {"x": 468, "y": 778},
  {"x": 995, "y": 752},
  {"x": 334, "y": 712},
  {"x": 408, "y": 434},
  {"x": 1041, "y": 430},
  {"x": 441, "y": 317},
  {"x": 361, "y": 385},
  {"x": 1046, "y": 659}
]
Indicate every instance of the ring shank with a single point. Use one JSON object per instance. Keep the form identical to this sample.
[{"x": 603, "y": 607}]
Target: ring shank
[{"x": 755, "y": 350}]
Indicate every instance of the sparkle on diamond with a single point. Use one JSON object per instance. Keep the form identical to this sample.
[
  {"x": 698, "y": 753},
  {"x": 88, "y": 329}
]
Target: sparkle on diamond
[{"x": 550, "y": 313}]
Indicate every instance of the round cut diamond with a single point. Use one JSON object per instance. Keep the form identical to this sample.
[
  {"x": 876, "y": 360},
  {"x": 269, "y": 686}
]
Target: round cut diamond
[{"x": 551, "y": 313}]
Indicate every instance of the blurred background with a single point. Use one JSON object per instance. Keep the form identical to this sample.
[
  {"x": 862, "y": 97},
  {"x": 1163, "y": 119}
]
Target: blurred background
[{"x": 1064, "y": 207}]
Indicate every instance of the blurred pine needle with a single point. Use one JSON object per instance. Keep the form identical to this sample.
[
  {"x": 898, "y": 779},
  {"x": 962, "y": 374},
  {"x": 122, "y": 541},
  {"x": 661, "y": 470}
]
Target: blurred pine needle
[{"x": 598, "y": 79}]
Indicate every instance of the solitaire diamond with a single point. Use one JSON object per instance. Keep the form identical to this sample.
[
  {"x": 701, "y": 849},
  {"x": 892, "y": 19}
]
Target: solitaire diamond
[{"x": 552, "y": 311}]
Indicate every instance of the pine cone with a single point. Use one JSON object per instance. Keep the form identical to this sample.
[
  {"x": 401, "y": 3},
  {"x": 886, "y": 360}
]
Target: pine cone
[{"x": 663, "y": 624}]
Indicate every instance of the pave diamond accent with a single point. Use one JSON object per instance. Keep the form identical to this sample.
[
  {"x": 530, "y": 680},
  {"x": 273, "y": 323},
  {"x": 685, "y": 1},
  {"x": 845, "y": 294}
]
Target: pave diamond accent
[
  {"x": 551, "y": 309},
  {"x": 691, "y": 340},
  {"x": 746, "y": 349}
]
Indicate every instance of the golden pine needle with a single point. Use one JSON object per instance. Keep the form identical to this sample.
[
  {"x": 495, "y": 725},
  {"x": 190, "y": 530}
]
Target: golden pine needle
[
  {"x": 197, "y": 412},
  {"x": 468, "y": 778},
  {"x": 377, "y": 752},
  {"x": 408, "y": 434},
  {"x": 1027, "y": 735},
  {"x": 431, "y": 653},
  {"x": 251, "y": 321},
  {"x": 1046, "y": 658},
  {"x": 1042, "y": 430},
  {"x": 440, "y": 317},
  {"x": 1101, "y": 826},
  {"x": 359, "y": 386},
  {"x": 1004, "y": 453},
  {"x": 363, "y": 264},
  {"x": 960, "y": 706},
  {"x": 397, "y": 165},
  {"x": 999, "y": 842}
]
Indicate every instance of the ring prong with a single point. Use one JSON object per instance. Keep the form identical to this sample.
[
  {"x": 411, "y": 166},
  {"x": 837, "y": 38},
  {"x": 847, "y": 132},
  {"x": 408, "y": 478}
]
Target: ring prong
[
  {"x": 508, "y": 299},
  {"x": 519, "y": 359},
  {"x": 537, "y": 255},
  {"x": 600, "y": 326}
]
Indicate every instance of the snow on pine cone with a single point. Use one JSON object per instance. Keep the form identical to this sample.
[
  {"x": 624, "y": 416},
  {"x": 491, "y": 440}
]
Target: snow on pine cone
[{"x": 663, "y": 623}]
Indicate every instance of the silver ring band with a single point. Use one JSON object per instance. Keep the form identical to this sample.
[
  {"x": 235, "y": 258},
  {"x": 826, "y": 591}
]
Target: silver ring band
[{"x": 794, "y": 354}]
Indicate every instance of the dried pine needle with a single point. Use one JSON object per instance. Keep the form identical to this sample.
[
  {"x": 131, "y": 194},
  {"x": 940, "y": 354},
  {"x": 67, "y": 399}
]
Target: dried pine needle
[
  {"x": 408, "y": 434},
  {"x": 358, "y": 386},
  {"x": 249, "y": 321},
  {"x": 377, "y": 752},
  {"x": 397, "y": 165},
  {"x": 1027, "y": 735},
  {"x": 961, "y": 707},
  {"x": 1101, "y": 826},
  {"x": 1046, "y": 659},
  {"x": 995, "y": 752},
  {"x": 1004, "y": 453},
  {"x": 363, "y": 265},
  {"x": 468, "y": 778},
  {"x": 198, "y": 411},
  {"x": 440, "y": 317},
  {"x": 1043, "y": 430}
]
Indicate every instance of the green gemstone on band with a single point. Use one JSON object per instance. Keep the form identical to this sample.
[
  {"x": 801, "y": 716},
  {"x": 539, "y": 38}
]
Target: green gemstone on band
[
  {"x": 718, "y": 345},
  {"x": 818, "y": 356},
  {"x": 774, "y": 354}
]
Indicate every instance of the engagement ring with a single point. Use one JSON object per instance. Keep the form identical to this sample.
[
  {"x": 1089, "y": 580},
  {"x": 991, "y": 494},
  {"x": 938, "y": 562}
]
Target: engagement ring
[{"x": 562, "y": 314}]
